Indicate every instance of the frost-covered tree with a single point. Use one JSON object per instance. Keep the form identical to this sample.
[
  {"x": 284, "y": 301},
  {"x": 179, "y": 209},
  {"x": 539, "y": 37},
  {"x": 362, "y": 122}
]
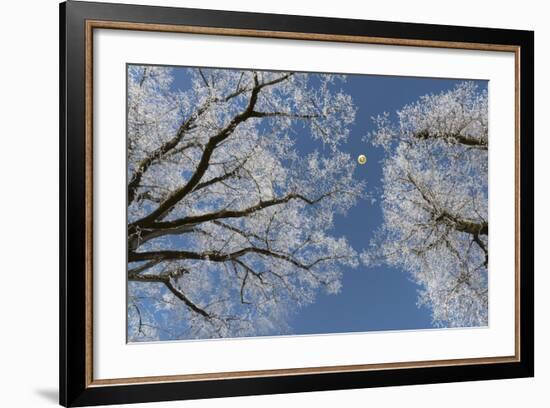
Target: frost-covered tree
[
  {"x": 227, "y": 219},
  {"x": 434, "y": 201}
]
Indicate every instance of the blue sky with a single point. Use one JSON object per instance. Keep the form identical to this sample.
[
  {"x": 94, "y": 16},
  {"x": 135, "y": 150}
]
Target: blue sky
[{"x": 372, "y": 298}]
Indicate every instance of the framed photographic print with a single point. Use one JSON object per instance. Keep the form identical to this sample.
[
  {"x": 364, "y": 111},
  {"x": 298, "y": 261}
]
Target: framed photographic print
[{"x": 255, "y": 203}]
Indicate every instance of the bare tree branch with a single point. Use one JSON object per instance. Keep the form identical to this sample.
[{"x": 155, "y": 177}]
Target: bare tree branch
[
  {"x": 454, "y": 138},
  {"x": 168, "y": 283}
]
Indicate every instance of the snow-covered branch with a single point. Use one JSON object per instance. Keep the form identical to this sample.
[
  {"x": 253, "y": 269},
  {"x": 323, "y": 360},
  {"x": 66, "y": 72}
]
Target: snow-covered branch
[
  {"x": 434, "y": 201},
  {"x": 227, "y": 223}
]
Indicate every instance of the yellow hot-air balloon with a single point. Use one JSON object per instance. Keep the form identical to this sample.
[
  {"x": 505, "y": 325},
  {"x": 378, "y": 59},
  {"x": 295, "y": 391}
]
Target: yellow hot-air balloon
[{"x": 362, "y": 159}]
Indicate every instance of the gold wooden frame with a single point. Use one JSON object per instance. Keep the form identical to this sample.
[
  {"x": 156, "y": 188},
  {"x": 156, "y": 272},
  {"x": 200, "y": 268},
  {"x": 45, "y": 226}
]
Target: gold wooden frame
[{"x": 98, "y": 24}]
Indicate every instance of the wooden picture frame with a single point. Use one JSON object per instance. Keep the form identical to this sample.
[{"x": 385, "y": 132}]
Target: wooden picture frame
[{"x": 78, "y": 20}]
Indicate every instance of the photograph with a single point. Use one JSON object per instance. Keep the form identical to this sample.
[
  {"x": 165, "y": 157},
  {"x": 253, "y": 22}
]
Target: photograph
[
  {"x": 256, "y": 203},
  {"x": 271, "y": 203}
]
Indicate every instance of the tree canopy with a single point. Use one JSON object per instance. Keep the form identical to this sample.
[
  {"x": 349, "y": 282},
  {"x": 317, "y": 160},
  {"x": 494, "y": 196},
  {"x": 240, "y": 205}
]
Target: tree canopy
[
  {"x": 227, "y": 223},
  {"x": 434, "y": 201},
  {"x": 235, "y": 178}
]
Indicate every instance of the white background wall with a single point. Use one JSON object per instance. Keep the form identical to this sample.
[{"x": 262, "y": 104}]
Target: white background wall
[{"x": 29, "y": 202}]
